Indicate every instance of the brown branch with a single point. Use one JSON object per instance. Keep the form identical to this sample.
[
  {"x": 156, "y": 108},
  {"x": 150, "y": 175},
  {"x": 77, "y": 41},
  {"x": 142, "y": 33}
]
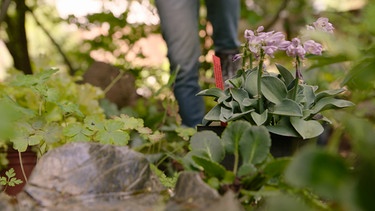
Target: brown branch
[
  {"x": 54, "y": 42},
  {"x": 283, "y": 5},
  {"x": 4, "y": 10}
]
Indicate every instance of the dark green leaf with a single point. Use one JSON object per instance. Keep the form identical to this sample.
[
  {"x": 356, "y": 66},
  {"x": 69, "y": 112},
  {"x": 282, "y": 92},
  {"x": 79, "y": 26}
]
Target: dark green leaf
[
  {"x": 211, "y": 168},
  {"x": 247, "y": 169},
  {"x": 285, "y": 74},
  {"x": 213, "y": 114},
  {"x": 255, "y": 145},
  {"x": 318, "y": 170},
  {"x": 213, "y": 92},
  {"x": 233, "y": 134},
  {"x": 209, "y": 143}
]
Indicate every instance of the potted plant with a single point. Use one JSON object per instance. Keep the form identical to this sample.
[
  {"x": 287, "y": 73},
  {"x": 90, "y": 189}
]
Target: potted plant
[{"x": 285, "y": 104}]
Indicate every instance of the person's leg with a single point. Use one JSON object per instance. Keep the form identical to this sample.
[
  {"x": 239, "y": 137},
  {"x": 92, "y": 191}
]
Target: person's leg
[
  {"x": 179, "y": 25},
  {"x": 224, "y": 16}
]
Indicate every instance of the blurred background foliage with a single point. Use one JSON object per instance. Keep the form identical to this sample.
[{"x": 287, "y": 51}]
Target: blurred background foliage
[{"x": 38, "y": 34}]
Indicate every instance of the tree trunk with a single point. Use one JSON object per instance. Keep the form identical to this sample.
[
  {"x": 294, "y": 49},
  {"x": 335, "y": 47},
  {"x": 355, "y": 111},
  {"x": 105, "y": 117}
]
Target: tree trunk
[{"x": 17, "y": 39}]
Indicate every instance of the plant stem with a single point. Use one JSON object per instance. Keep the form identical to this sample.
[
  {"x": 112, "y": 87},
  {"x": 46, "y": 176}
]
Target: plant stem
[
  {"x": 298, "y": 77},
  {"x": 259, "y": 80},
  {"x": 21, "y": 164},
  {"x": 118, "y": 77},
  {"x": 244, "y": 56}
]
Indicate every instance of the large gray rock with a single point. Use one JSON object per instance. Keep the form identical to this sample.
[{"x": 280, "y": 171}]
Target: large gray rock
[
  {"x": 87, "y": 176},
  {"x": 95, "y": 177}
]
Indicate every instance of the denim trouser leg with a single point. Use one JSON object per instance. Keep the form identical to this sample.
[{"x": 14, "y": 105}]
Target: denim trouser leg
[
  {"x": 224, "y": 16},
  {"x": 179, "y": 25}
]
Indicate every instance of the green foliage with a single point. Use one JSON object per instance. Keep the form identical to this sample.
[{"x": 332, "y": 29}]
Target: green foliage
[
  {"x": 10, "y": 179},
  {"x": 168, "y": 182},
  {"x": 239, "y": 160}
]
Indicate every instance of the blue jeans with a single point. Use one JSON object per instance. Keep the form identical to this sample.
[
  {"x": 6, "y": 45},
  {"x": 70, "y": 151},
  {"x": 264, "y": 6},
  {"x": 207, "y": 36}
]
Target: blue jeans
[{"x": 180, "y": 27}]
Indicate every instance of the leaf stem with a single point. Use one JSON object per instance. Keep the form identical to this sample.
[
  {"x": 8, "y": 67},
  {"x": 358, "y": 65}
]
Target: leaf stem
[{"x": 236, "y": 161}]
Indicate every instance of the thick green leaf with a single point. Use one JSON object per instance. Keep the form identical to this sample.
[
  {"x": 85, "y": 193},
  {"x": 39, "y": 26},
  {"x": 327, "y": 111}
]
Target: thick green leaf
[
  {"x": 330, "y": 103},
  {"x": 211, "y": 168},
  {"x": 225, "y": 114},
  {"x": 328, "y": 93},
  {"x": 273, "y": 89},
  {"x": 318, "y": 170},
  {"x": 210, "y": 144},
  {"x": 283, "y": 128},
  {"x": 286, "y": 107},
  {"x": 309, "y": 95},
  {"x": 285, "y": 74},
  {"x": 233, "y": 133},
  {"x": 259, "y": 119},
  {"x": 239, "y": 94},
  {"x": 255, "y": 145},
  {"x": 213, "y": 114},
  {"x": 307, "y": 129},
  {"x": 251, "y": 83},
  {"x": 212, "y": 92},
  {"x": 237, "y": 116}
]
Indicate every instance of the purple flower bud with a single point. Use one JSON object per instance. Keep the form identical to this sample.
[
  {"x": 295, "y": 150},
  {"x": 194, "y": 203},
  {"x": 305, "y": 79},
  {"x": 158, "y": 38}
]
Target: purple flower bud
[
  {"x": 284, "y": 45},
  {"x": 313, "y": 47},
  {"x": 236, "y": 57},
  {"x": 270, "y": 50},
  {"x": 295, "y": 49}
]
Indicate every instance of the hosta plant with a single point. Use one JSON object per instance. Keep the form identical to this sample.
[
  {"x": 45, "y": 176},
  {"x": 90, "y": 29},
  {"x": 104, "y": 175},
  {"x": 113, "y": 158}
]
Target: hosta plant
[{"x": 281, "y": 101}]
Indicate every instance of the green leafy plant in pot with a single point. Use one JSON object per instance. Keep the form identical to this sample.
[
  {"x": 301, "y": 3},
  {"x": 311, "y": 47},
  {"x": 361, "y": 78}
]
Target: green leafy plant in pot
[{"x": 285, "y": 104}]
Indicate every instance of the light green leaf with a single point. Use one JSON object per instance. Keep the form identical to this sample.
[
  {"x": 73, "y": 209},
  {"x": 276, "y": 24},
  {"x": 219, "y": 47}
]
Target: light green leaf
[
  {"x": 287, "y": 107},
  {"x": 255, "y": 145},
  {"x": 130, "y": 123},
  {"x": 273, "y": 89},
  {"x": 307, "y": 129},
  {"x": 210, "y": 144}
]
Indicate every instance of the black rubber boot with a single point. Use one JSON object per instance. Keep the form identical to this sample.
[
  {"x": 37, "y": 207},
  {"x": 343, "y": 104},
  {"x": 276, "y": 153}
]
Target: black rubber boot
[{"x": 228, "y": 67}]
